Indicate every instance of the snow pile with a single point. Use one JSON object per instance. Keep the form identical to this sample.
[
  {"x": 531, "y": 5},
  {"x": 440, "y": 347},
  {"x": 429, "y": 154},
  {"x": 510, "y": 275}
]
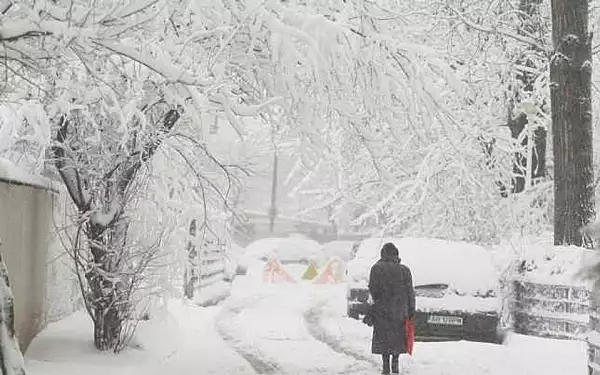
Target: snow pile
[
  {"x": 66, "y": 347},
  {"x": 10, "y": 172},
  {"x": 467, "y": 268},
  {"x": 544, "y": 263},
  {"x": 287, "y": 250},
  {"x": 180, "y": 340},
  {"x": 212, "y": 294},
  {"x": 511, "y": 249}
]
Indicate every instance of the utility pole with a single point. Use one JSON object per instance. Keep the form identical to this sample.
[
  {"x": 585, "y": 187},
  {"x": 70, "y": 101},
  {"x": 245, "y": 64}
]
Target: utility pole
[{"x": 273, "y": 209}]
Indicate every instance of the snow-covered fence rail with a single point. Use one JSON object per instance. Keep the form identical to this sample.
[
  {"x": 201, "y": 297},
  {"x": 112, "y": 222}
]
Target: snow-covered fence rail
[
  {"x": 551, "y": 310},
  {"x": 211, "y": 263},
  {"x": 549, "y": 298},
  {"x": 208, "y": 281},
  {"x": 593, "y": 340}
]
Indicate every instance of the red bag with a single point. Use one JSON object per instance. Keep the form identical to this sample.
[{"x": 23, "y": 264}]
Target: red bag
[{"x": 409, "y": 332}]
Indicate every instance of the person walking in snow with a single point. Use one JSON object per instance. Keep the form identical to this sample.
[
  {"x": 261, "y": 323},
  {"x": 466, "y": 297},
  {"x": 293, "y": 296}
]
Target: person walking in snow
[{"x": 391, "y": 288}]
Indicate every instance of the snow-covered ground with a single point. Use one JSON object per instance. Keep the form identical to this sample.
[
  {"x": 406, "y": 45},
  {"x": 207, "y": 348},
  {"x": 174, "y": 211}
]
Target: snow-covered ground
[
  {"x": 294, "y": 328},
  {"x": 181, "y": 341},
  {"x": 520, "y": 355}
]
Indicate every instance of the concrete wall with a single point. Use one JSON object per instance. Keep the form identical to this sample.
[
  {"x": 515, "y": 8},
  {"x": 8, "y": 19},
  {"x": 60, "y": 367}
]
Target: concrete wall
[
  {"x": 42, "y": 285},
  {"x": 25, "y": 217}
]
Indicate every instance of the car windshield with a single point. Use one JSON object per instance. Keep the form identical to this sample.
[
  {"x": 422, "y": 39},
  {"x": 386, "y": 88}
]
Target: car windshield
[{"x": 431, "y": 290}]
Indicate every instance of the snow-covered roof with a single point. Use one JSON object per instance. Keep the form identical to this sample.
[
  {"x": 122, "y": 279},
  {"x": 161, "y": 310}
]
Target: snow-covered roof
[
  {"x": 466, "y": 267},
  {"x": 11, "y": 173}
]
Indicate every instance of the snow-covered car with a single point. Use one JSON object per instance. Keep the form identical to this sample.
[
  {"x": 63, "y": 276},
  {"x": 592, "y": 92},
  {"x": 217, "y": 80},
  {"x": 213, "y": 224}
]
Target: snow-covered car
[
  {"x": 293, "y": 249},
  {"x": 456, "y": 287}
]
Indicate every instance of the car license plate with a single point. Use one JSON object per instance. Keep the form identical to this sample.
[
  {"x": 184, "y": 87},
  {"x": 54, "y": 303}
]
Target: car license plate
[{"x": 446, "y": 320}]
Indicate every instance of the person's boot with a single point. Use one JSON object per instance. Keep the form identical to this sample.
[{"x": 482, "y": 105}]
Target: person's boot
[
  {"x": 395, "y": 367},
  {"x": 386, "y": 364}
]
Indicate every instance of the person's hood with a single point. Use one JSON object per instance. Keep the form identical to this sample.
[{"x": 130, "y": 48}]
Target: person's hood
[{"x": 389, "y": 253}]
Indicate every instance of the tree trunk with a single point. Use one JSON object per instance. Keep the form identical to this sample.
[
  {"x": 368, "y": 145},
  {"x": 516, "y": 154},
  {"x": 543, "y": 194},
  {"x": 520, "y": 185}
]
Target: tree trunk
[
  {"x": 570, "y": 74},
  {"x": 108, "y": 325},
  {"x": 190, "y": 277},
  {"x": 110, "y": 285},
  {"x": 11, "y": 359}
]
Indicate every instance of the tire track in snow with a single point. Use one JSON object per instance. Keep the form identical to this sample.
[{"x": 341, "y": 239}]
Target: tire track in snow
[
  {"x": 312, "y": 318},
  {"x": 279, "y": 349},
  {"x": 224, "y": 321}
]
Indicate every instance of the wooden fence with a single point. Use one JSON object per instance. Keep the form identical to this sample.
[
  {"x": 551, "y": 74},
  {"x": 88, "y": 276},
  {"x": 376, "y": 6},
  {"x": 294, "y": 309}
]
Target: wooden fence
[{"x": 205, "y": 278}]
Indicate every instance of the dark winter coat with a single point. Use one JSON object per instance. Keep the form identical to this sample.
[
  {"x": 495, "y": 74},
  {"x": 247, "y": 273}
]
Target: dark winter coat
[{"x": 391, "y": 287}]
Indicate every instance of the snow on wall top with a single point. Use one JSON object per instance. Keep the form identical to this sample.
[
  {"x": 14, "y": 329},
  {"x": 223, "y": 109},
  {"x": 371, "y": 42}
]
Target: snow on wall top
[
  {"x": 544, "y": 263},
  {"x": 466, "y": 267},
  {"x": 12, "y": 173}
]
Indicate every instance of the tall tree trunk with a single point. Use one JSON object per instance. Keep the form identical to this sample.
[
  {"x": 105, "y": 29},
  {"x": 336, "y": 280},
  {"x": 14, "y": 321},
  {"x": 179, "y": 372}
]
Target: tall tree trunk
[
  {"x": 11, "y": 359},
  {"x": 570, "y": 74}
]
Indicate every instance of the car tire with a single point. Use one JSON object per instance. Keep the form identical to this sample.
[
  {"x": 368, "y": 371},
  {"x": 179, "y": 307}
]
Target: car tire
[{"x": 500, "y": 337}]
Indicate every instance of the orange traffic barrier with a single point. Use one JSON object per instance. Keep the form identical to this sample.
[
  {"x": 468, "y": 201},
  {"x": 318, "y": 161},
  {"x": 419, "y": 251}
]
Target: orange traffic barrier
[
  {"x": 275, "y": 273},
  {"x": 333, "y": 272}
]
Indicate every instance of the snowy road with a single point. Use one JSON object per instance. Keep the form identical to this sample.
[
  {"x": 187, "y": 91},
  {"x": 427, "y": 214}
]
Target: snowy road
[
  {"x": 301, "y": 329},
  {"x": 288, "y": 329},
  {"x": 201, "y": 348},
  {"x": 274, "y": 335}
]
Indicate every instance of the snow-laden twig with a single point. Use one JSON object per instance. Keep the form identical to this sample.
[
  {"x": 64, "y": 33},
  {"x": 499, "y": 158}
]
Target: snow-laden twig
[
  {"x": 491, "y": 30},
  {"x": 170, "y": 72}
]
